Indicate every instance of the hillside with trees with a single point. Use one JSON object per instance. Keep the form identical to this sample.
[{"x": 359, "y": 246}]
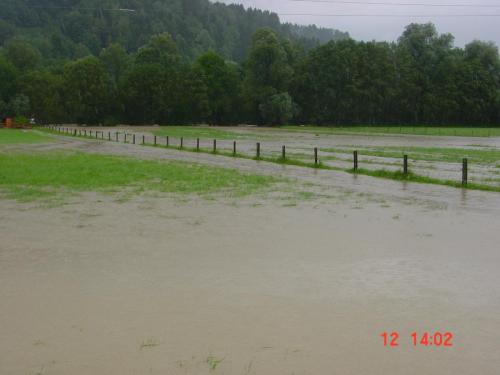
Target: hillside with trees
[{"x": 63, "y": 29}]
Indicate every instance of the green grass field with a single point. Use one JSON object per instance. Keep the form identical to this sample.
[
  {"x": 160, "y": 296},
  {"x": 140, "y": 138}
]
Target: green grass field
[
  {"x": 201, "y": 132},
  {"x": 30, "y": 176},
  {"x": 13, "y": 136},
  {"x": 453, "y": 155},
  {"x": 410, "y": 130}
]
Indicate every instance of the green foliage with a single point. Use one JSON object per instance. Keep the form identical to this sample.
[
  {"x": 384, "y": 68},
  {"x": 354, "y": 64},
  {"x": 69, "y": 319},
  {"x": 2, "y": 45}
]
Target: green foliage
[
  {"x": 8, "y": 80},
  {"x": 278, "y": 109},
  {"x": 268, "y": 74},
  {"x": 86, "y": 90},
  {"x": 21, "y": 54},
  {"x": 44, "y": 91},
  {"x": 222, "y": 82},
  {"x": 20, "y": 106}
]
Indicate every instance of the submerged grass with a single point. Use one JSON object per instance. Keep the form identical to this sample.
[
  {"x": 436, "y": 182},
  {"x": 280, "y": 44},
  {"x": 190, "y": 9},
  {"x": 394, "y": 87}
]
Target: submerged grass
[
  {"x": 31, "y": 176},
  {"x": 439, "y": 154},
  {"x": 14, "y": 136},
  {"x": 412, "y": 177},
  {"x": 200, "y": 132},
  {"x": 415, "y": 130}
]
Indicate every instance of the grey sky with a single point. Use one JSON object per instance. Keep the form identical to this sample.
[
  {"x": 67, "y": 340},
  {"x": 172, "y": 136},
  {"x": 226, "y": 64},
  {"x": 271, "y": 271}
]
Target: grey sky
[{"x": 465, "y": 29}]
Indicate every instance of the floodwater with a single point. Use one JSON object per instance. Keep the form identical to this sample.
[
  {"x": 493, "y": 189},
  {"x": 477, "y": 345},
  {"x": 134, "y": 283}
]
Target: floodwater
[{"x": 159, "y": 285}]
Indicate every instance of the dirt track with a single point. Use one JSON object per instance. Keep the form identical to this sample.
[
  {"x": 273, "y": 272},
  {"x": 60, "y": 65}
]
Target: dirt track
[{"x": 163, "y": 286}]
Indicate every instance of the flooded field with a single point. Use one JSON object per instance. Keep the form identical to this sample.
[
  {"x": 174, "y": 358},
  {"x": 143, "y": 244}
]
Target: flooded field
[
  {"x": 298, "y": 281},
  {"x": 438, "y": 157}
]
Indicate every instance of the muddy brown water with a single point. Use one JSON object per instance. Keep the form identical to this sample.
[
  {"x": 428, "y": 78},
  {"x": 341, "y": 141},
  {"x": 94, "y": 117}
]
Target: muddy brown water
[{"x": 162, "y": 285}]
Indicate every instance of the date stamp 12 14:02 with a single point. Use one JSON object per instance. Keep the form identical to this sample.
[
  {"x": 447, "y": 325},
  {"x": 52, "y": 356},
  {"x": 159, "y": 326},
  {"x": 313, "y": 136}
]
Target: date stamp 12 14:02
[{"x": 424, "y": 339}]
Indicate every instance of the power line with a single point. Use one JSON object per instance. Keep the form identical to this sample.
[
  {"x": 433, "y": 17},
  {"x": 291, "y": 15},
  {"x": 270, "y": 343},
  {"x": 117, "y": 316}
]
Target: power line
[
  {"x": 73, "y": 8},
  {"x": 389, "y": 15},
  {"x": 398, "y": 3}
]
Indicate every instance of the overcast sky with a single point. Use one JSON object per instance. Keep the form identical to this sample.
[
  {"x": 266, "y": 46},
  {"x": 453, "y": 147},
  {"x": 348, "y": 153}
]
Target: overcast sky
[{"x": 465, "y": 29}]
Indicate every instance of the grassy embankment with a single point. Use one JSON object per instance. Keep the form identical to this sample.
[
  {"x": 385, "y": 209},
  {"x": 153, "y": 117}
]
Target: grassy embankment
[
  {"x": 407, "y": 130},
  {"x": 16, "y": 136},
  {"x": 30, "y": 176}
]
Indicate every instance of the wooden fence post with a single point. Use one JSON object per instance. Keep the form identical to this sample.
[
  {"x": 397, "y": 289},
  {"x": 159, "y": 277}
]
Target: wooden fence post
[
  {"x": 133, "y": 138},
  {"x": 464, "y": 171},
  {"x": 258, "y": 150},
  {"x": 405, "y": 164},
  {"x": 182, "y": 142},
  {"x": 283, "y": 152},
  {"x": 143, "y": 139},
  {"x": 234, "y": 148},
  {"x": 168, "y": 141},
  {"x": 154, "y": 140},
  {"x": 197, "y": 144},
  {"x": 315, "y": 156},
  {"x": 355, "y": 155},
  {"x": 215, "y": 146}
]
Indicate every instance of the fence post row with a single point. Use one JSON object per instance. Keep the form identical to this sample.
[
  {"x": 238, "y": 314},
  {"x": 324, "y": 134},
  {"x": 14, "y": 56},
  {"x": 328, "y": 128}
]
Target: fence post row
[{"x": 79, "y": 132}]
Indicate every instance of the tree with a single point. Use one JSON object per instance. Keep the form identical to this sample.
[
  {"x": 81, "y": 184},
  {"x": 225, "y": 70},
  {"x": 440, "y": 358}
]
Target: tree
[
  {"x": 161, "y": 49},
  {"x": 268, "y": 70},
  {"x": 44, "y": 92},
  {"x": 20, "y": 105},
  {"x": 22, "y": 55},
  {"x": 86, "y": 90},
  {"x": 116, "y": 60},
  {"x": 278, "y": 109},
  {"x": 8, "y": 80},
  {"x": 222, "y": 82},
  {"x": 148, "y": 94},
  {"x": 479, "y": 82}
]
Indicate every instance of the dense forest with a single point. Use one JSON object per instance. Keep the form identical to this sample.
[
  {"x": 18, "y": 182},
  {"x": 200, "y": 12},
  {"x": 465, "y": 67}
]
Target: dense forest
[
  {"x": 192, "y": 61},
  {"x": 78, "y": 28}
]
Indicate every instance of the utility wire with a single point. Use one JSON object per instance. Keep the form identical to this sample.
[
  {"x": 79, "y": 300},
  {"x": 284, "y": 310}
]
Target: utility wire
[
  {"x": 398, "y": 3},
  {"x": 73, "y": 8}
]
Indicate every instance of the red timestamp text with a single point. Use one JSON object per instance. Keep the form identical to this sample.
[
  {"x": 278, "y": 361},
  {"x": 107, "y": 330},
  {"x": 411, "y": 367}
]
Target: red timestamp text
[{"x": 426, "y": 339}]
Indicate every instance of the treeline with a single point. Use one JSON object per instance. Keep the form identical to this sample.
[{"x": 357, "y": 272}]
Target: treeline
[{"x": 421, "y": 79}]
